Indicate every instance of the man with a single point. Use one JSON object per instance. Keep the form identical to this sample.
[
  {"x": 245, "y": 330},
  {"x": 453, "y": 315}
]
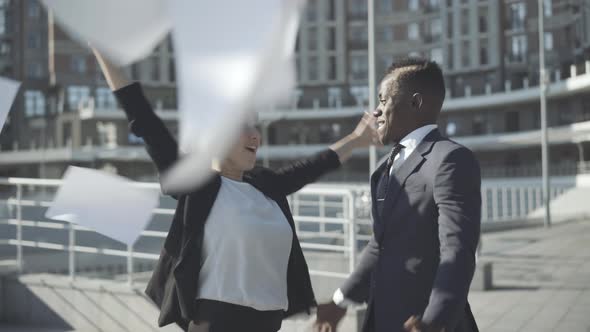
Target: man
[{"x": 416, "y": 270}]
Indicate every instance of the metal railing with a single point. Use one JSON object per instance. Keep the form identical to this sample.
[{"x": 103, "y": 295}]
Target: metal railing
[
  {"x": 329, "y": 219},
  {"x": 325, "y": 221}
]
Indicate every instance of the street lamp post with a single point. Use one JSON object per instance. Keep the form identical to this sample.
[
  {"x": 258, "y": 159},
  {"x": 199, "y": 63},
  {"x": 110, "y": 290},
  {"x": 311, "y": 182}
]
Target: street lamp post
[
  {"x": 372, "y": 79},
  {"x": 543, "y": 101}
]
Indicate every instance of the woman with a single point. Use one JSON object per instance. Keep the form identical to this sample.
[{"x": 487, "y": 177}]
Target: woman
[{"x": 231, "y": 260}]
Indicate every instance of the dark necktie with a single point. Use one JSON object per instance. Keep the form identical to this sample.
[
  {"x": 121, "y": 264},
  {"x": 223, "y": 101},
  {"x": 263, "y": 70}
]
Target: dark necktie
[
  {"x": 394, "y": 152},
  {"x": 383, "y": 184},
  {"x": 384, "y": 180}
]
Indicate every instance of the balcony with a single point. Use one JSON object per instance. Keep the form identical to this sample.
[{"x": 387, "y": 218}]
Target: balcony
[
  {"x": 578, "y": 132},
  {"x": 577, "y": 82}
]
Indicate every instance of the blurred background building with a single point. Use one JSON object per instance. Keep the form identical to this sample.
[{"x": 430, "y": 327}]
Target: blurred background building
[{"x": 488, "y": 49}]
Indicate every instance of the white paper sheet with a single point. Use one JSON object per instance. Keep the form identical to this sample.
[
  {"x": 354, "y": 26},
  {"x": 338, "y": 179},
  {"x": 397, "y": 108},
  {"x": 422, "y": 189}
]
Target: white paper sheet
[
  {"x": 232, "y": 57},
  {"x": 8, "y": 90},
  {"x": 124, "y": 30},
  {"x": 108, "y": 204}
]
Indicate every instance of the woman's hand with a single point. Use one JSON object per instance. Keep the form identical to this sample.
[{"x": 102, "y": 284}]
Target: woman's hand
[
  {"x": 363, "y": 135},
  {"x": 365, "y": 132}
]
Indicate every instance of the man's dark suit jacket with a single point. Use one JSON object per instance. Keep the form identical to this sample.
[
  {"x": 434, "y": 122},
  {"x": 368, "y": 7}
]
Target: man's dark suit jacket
[
  {"x": 422, "y": 256},
  {"x": 173, "y": 285}
]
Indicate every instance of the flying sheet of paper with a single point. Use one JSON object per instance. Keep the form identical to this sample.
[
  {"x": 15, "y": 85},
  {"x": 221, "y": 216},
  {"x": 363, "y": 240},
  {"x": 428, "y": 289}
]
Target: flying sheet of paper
[
  {"x": 108, "y": 204},
  {"x": 232, "y": 57},
  {"x": 125, "y": 31},
  {"x": 8, "y": 90}
]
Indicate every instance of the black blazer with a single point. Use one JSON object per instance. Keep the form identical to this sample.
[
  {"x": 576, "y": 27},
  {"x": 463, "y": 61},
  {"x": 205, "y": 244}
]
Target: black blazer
[
  {"x": 173, "y": 285},
  {"x": 422, "y": 257}
]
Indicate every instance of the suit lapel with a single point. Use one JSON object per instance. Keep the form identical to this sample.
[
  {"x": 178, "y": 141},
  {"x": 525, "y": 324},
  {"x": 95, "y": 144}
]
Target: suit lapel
[{"x": 411, "y": 165}]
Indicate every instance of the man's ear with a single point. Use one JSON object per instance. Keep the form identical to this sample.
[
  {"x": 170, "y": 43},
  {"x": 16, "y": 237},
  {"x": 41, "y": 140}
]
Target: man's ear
[{"x": 417, "y": 100}]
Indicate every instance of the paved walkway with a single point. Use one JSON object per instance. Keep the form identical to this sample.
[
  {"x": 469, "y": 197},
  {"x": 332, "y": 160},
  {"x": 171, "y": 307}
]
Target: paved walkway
[{"x": 541, "y": 280}]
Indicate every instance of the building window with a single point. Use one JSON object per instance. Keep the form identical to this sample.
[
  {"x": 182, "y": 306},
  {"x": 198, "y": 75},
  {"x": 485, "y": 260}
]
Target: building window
[
  {"x": 450, "y": 57},
  {"x": 359, "y": 67},
  {"x": 334, "y": 97},
  {"x": 413, "y": 5},
  {"x": 384, "y": 61},
  {"x": 548, "y": 41},
  {"x": 34, "y": 103},
  {"x": 358, "y": 36},
  {"x": 312, "y": 68},
  {"x": 548, "y": 7},
  {"x": 311, "y": 10},
  {"x": 434, "y": 4},
  {"x": 450, "y": 26},
  {"x": 478, "y": 126},
  {"x": 458, "y": 86},
  {"x": 413, "y": 31},
  {"x": 483, "y": 55},
  {"x": 512, "y": 120},
  {"x": 155, "y": 69},
  {"x": 436, "y": 29},
  {"x": 385, "y": 34},
  {"x": 34, "y": 40},
  {"x": 331, "y": 10},
  {"x": 357, "y": 8},
  {"x": 385, "y": 7},
  {"x": 78, "y": 64},
  {"x": 332, "y": 68},
  {"x": 465, "y": 54},
  {"x": 298, "y": 70},
  {"x": 34, "y": 70},
  {"x": 34, "y": 9},
  {"x": 465, "y": 22},
  {"x": 483, "y": 20},
  {"x": 5, "y": 47},
  {"x": 2, "y": 21},
  {"x": 331, "y": 40},
  {"x": 77, "y": 95},
  {"x": 105, "y": 99},
  {"x": 170, "y": 43},
  {"x": 312, "y": 38},
  {"x": 171, "y": 70},
  {"x": 517, "y": 16},
  {"x": 66, "y": 134},
  {"x": 518, "y": 48},
  {"x": 436, "y": 55}
]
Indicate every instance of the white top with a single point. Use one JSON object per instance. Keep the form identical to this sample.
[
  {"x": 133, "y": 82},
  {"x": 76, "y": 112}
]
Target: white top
[
  {"x": 410, "y": 142},
  {"x": 246, "y": 248}
]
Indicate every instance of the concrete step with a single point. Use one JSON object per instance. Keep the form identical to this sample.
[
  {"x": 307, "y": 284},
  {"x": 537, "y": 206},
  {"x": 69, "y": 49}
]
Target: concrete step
[
  {"x": 23, "y": 328},
  {"x": 79, "y": 305}
]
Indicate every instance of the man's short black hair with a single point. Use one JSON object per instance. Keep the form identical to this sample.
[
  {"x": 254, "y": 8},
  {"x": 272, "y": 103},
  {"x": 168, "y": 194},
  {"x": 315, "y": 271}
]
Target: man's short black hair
[{"x": 420, "y": 75}]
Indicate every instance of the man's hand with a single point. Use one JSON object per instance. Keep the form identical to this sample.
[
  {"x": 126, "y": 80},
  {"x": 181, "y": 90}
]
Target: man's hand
[
  {"x": 414, "y": 324},
  {"x": 328, "y": 316}
]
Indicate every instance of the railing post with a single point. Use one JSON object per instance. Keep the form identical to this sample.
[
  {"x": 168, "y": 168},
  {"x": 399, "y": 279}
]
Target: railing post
[
  {"x": 130, "y": 264},
  {"x": 352, "y": 230},
  {"x": 296, "y": 210},
  {"x": 19, "y": 228},
  {"x": 322, "y": 208},
  {"x": 72, "y": 251}
]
